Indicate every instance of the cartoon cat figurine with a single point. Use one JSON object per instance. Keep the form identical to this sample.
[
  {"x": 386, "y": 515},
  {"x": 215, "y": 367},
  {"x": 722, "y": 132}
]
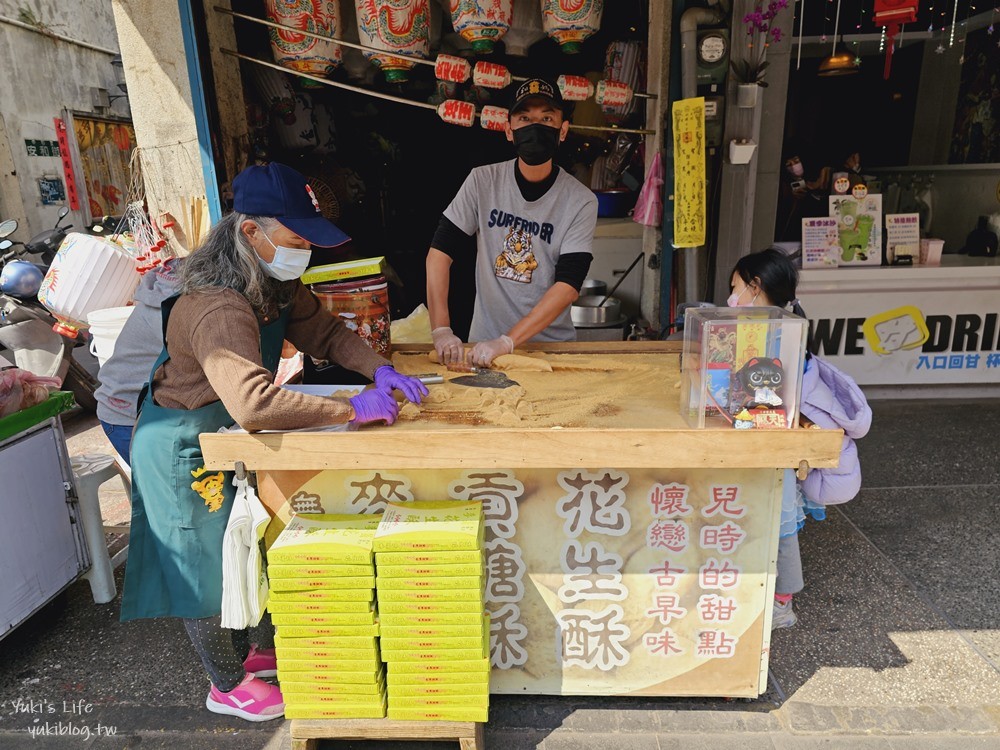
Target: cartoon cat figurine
[{"x": 761, "y": 377}]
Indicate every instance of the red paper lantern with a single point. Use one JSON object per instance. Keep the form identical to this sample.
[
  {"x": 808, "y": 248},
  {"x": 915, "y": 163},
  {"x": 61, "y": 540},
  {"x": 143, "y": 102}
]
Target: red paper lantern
[{"x": 892, "y": 14}]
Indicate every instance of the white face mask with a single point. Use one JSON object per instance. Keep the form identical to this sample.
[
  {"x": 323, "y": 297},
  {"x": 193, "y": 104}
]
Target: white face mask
[{"x": 289, "y": 263}]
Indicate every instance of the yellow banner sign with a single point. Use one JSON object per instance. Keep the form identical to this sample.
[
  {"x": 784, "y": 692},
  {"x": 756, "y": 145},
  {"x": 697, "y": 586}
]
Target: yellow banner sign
[{"x": 689, "y": 172}]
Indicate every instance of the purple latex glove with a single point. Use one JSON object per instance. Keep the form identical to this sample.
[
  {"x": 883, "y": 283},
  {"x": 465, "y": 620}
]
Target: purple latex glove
[
  {"x": 485, "y": 352},
  {"x": 387, "y": 378},
  {"x": 374, "y": 405}
]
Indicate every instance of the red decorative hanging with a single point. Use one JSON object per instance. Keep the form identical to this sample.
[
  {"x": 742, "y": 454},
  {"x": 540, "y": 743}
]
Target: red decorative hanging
[{"x": 892, "y": 14}]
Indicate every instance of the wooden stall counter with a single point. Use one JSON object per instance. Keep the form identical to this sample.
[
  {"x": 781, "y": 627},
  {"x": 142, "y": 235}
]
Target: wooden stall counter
[{"x": 627, "y": 554}]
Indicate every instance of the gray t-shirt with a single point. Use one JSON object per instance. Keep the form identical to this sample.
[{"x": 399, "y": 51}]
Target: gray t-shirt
[{"x": 519, "y": 243}]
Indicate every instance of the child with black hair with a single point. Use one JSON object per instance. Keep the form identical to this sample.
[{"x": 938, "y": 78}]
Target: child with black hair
[{"x": 830, "y": 399}]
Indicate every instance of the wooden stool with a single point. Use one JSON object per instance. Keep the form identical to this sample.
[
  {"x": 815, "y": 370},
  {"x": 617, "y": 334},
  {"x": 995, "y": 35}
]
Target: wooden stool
[
  {"x": 306, "y": 733},
  {"x": 90, "y": 471}
]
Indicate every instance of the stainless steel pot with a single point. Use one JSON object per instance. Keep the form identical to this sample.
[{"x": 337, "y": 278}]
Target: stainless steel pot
[
  {"x": 588, "y": 311},
  {"x": 594, "y": 286}
]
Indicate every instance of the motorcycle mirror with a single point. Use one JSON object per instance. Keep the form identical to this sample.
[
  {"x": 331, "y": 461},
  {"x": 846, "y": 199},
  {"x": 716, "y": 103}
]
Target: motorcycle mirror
[
  {"x": 63, "y": 211},
  {"x": 8, "y": 227},
  {"x": 4, "y": 244}
]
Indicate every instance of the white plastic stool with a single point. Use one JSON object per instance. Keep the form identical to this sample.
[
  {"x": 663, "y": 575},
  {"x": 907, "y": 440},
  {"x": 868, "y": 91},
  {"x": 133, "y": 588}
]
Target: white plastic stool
[{"x": 90, "y": 471}]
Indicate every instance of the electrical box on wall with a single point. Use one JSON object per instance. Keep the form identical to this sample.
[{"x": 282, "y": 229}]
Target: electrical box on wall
[{"x": 712, "y": 56}]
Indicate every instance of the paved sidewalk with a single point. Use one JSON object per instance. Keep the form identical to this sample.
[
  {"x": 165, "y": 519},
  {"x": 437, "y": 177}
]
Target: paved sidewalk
[{"x": 897, "y": 646}]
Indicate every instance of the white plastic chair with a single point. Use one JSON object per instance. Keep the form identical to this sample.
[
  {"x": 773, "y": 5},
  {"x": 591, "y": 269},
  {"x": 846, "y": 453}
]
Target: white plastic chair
[{"x": 90, "y": 471}]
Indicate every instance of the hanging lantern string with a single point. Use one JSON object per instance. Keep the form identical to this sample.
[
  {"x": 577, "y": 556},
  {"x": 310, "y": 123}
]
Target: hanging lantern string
[
  {"x": 802, "y": 20},
  {"x": 401, "y": 100},
  {"x": 363, "y": 48},
  {"x": 836, "y": 25}
]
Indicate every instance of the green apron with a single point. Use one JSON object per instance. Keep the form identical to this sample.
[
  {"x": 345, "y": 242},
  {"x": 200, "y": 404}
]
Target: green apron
[{"x": 179, "y": 510}]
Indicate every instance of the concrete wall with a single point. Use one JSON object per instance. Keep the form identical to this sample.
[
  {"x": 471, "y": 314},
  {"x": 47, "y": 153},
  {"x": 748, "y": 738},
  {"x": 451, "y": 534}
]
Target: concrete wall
[
  {"x": 43, "y": 75},
  {"x": 149, "y": 32}
]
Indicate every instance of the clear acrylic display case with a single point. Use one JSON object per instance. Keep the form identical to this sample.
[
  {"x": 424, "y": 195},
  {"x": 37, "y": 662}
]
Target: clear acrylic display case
[{"x": 742, "y": 367}]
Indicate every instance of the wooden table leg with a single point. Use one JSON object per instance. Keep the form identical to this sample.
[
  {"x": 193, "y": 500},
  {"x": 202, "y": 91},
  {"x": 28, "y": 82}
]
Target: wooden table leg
[{"x": 476, "y": 742}]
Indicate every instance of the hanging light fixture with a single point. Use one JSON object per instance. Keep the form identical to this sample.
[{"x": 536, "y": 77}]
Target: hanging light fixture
[{"x": 840, "y": 62}]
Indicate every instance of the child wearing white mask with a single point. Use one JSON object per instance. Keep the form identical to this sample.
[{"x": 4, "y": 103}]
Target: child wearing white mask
[{"x": 830, "y": 399}]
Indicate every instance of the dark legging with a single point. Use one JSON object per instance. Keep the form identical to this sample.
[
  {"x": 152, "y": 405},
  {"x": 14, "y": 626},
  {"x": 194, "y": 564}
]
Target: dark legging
[{"x": 222, "y": 651}]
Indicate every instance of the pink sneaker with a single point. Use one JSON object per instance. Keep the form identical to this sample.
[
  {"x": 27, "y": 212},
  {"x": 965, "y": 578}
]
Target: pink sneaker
[
  {"x": 261, "y": 661},
  {"x": 253, "y": 700}
]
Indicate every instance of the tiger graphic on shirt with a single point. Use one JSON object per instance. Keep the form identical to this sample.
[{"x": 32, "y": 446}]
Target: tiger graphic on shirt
[{"x": 516, "y": 261}]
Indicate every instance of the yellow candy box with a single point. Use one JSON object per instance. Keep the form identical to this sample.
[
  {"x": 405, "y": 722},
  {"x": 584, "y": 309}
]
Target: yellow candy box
[
  {"x": 428, "y": 584},
  {"x": 326, "y": 631},
  {"x": 315, "y": 538},
  {"x": 323, "y": 595},
  {"x": 426, "y": 668},
  {"x": 442, "y": 714},
  {"x": 439, "y": 558},
  {"x": 320, "y": 607},
  {"x": 326, "y": 584},
  {"x": 319, "y": 571},
  {"x": 474, "y": 680},
  {"x": 471, "y": 611},
  {"x": 478, "y": 689},
  {"x": 430, "y": 526},
  {"x": 428, "y": 571}
]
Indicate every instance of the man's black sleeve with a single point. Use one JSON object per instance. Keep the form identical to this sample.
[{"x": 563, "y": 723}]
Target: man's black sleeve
[
  {"x": 572, "y": 269},
  {"x": 451, "y": 240}
]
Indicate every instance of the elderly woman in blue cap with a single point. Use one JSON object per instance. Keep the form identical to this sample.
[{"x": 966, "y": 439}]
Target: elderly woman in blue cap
[{"x": 240, "y": 298}]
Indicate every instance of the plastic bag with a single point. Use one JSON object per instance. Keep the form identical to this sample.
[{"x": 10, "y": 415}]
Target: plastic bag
[
  {"x": 649, "y": 207},
  {"x": 244, "y": 580},
  {"x": 20, "y": 389}
]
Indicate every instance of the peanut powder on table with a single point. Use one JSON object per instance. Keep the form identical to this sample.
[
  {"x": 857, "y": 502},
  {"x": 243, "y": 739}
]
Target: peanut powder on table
[{"x": 581, "y": 390}]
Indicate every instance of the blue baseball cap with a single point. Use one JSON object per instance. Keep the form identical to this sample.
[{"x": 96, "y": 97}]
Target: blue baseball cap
[{"x": 282, "y": 193}]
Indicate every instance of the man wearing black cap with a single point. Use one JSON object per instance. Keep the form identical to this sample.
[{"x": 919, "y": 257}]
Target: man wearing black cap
[{"x": 535, "y": 227}]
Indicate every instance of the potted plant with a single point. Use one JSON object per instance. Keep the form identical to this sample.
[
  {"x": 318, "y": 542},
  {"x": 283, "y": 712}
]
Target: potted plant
[{"x": 749, "y": 71}]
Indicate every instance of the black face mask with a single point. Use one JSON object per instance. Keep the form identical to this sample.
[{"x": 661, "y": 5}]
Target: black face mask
[{"x": 536, "y": 144}]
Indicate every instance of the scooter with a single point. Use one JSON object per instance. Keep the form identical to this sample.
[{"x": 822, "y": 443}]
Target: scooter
[{"x": 25, "y": 325}]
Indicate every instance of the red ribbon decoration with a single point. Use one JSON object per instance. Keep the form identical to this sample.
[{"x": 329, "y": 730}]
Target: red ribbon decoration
[{"x": 892, "y": 14}]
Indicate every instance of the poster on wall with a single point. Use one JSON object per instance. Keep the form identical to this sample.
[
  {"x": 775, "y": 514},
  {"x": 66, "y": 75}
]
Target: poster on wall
[
  {"x": 599, "y": 582},
  {"x": 976, "y": 132},
  {"x": 105, "y": 148},
  {"x": 689, "y": 172},
  {"x": 820, "y": 243},
  {"x": 859, "y": 226}
]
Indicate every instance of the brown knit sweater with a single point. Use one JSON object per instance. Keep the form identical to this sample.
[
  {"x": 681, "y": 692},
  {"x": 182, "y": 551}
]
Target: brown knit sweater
[{"x": 214, "y": 344}]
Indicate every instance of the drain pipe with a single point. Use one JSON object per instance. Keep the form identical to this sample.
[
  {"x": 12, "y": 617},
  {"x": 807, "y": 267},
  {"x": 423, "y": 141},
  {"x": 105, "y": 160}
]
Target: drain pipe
[{"x": 691, "y": 19}]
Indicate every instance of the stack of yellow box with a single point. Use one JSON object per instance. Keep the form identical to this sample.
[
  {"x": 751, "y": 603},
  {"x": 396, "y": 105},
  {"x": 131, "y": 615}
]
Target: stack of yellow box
[
  {"x": 322, "y": 577},
  {"x": 434, "y": 635}
]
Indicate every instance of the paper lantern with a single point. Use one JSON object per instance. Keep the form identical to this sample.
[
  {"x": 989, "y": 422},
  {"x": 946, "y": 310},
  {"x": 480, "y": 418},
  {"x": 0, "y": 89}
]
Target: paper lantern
[
  {"x": 575, "y": 88},
  {"x": 571, "y": 22},
  {"x": 397, "y": 26},
  {"x": 624, "y": 65},
  {"x": 456, "y": 112},
  {"x": 87, "y": 274},
  {"x": 490, "y": 75},
  {"x": 494, "y": 118},
  {"x": 305, "y": 54},
  {"x": 525, "y": 29},
  {"x": 482, "y": 22},
  {"x": 452, "y": 68}
]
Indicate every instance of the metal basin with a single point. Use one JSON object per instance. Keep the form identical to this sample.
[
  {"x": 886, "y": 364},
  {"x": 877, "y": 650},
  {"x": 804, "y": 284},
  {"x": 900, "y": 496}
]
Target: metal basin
[
  {"x": 594, "y": 286},
  {"x": 586, "y": 311}
]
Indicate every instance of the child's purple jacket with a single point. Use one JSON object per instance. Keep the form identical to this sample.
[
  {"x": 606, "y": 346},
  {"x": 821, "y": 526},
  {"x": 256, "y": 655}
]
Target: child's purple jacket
[{"x": 832, "y": 400}]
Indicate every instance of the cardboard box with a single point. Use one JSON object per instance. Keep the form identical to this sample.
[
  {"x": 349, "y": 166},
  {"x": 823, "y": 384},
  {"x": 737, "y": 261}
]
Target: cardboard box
[
  {"x": 326, "y": 584},
  {"x": 349, "y": 269},
  {"x": 425, "y": 570},
  {"x": 428, "y": 583},
  {"x": 317, "y": 538},
  {"x": 443, "y": 714},
  {"x": 350, "y": 680},
  {"x": 429, "y": 526},
  {"x": 417, "y": 557},
  {"x": 438, "y": 679},
  {"x": 478, "y": 665},
  {"x": 474, "y": 595},
  {"x": 290, "y": 667},
  {"x": 478, "y": 689},
  {"x": 324, "y": 619},
  {"x": 319, "y": 571},
  {"x": 430, "y": 619},
  {"x": 470, "y": 610},
  {"x": 365, "y": 595},
  {"x": 325, "y": 631},
  {"x": 323, "y": 711}
]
